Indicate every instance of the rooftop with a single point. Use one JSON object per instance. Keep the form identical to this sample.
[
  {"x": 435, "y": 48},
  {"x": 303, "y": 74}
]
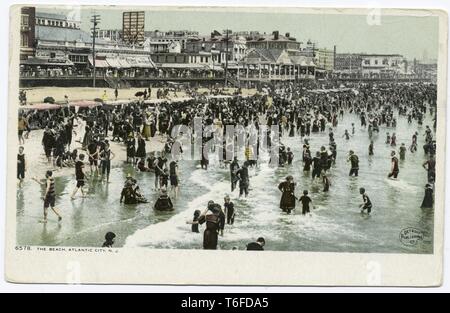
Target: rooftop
[
  {"x": 61, "y": 34},
  {"x": 52, "y": 16}
]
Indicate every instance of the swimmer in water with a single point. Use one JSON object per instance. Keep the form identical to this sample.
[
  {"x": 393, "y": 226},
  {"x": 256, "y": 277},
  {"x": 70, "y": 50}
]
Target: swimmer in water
[
  {"x": 317, "y": 167},
  {"x": 109, "y": 240},
  {"x": 354, "y": 160},
  {"x": 290, "y": 156},
  {"x": 326, "y": 183},
  {"x": 21, "y": 166},
  {"x": 79, "y": 176},
  {"x": 49, "y": 196},
  {"x": 371, "y": 148},
  {"x": 402, "y": 152},
  {"x": 346, "y": 135},
  {"x": 229, "y": 210},
  {"x": 393, "y": 140},
  {"x": 194, "y": 223},
  {"x": 394, "y": 166},
  {"x": 366, "y": 206},
  {"x": 305, "y": 200},
  {"x": 287, "y": 203}
]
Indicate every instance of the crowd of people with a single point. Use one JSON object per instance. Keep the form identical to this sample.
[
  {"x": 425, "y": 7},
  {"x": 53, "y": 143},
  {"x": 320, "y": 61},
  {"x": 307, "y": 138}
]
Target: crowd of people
[{"x": 295, "y": 110}]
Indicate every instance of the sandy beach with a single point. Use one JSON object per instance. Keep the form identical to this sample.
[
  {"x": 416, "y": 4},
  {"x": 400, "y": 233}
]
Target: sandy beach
[{"x": 37, "y": 95}]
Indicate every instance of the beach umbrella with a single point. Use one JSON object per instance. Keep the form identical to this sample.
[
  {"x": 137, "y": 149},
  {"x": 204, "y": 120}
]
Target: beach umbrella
[{"x": 139, "y": 94}]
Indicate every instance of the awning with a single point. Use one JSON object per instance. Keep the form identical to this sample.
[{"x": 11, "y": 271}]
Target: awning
[
  {"x": 184, "y": 66},
  {"x": 99, "y": 62},
  {"x": 52, "y": 62},
  {"x": 124, "y": 63},
  {"x": 141, "y": 62},
  {"x": 113, "y": 62},
  {"x": 217, "y": 68}
]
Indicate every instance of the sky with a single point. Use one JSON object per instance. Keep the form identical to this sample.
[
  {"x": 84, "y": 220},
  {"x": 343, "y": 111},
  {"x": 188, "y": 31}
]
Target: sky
[{"x": 411, "y": 36}]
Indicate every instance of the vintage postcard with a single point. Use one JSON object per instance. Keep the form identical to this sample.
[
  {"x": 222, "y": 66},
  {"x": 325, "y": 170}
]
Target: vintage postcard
[{"x": 226, "y": 145}]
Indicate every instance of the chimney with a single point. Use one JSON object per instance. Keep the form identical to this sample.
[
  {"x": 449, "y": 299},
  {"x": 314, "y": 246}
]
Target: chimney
[
  {"x": 288, "y": 35},
  {"x": 276, "y": 34}
]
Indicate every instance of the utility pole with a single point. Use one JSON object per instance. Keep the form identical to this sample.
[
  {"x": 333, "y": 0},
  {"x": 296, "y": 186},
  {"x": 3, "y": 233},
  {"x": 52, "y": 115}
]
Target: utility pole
[
  {"x": 95, "y": 20},
  {"x": 226, "y": 58}
]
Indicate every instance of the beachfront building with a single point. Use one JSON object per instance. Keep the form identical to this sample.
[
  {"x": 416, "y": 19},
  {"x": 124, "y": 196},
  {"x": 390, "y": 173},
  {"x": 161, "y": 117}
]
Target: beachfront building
[
  {"x": 275, "y": 41},
  {"x": 114, "y": 35},
  {"x": 383, "y": 65},
  {"x": 27, "y": 22},
  {"x": 325, "y": 62},
  {"x": 167, "y": 38},
  {"x": 425, "y": 69},
  {"x": 162, "y": 46},
  {"x": 186, "y": 65},
  {"x": 348, "y": 65},
  {"x": 225, "y": 49},
  {"x": 265, "y": 65},
  {"x": 67, "y": 51},
  {"x": 56, "y": 20}
]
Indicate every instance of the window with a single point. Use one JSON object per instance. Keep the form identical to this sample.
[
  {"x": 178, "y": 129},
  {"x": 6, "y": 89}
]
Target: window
[
  {"x": 24, "y": 20},
  {"x": 201, "y": 59},
  {"x": 376, "y": 62},
  {"x": 367, "y": 62},
  {"x": 52, "y": 55},
  {"x": 385, "y": 62},
  {"x": 24, "y": 40}
]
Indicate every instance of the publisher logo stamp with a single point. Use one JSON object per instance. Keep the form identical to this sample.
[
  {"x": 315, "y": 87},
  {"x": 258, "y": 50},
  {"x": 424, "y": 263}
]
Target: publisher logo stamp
[{"x": 411, "y": 236}]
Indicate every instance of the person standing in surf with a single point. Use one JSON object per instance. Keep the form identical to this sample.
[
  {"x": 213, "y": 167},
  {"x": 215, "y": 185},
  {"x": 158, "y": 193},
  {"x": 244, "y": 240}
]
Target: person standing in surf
[
  {"x": 366, "y": 206},
  {"x": 229, "y": 210},
  {"x": 215, "y": 222},
  {"x": 173, "y": 171},
  {"x": 427, "y": 202},
  {"x": 21, "y": 166},
  {"x": 49, "y": 196},
  {"x": 244, "y": 180},
  {"x": 326, "y": 183},
  {"x": 287, "y": 203},
  {"x": 306, "y": 201},
  {"x": 371, "y": 148},
  {"x": 317, "y": 166},
  {"x": 354, "y": 161},
  {"x": 234, "y": 167},
  {"x": 194, "y": 223},
  {"x": 394, "y": 166},
  {"x": 402, "y": 152},
  {"x": 430, "y": 167},
  {"x": 79, "y": 176},
  {"x": 106, "y": 155}
]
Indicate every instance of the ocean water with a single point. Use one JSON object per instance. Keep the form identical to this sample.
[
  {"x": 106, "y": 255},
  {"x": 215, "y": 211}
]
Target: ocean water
[{"x": 335, "y": 224}]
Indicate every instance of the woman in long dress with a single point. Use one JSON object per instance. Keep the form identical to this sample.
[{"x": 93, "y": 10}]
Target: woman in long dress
[
  {"x": 427, "y": 202},
  {"x": 287, "y": 203},
  {"x": 146, "y": 130}
]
